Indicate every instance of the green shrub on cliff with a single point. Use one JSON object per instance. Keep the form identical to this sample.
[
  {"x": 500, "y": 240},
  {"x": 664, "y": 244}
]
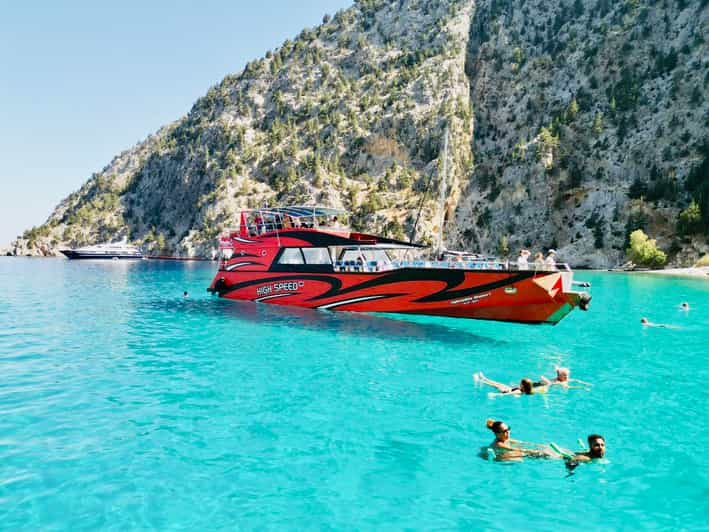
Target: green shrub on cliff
[
  {"x": 690, "y": 219},
  {"x": 643, "y": 250}
]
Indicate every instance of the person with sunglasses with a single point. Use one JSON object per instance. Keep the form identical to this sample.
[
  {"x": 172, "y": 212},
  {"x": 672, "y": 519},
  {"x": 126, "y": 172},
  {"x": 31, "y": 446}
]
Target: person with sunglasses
[{"x": 505, "y": 448}]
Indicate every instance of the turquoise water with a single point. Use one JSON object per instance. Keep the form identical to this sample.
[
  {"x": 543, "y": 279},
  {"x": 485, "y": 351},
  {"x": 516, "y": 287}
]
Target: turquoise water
[{"x": 125, "y": 406}]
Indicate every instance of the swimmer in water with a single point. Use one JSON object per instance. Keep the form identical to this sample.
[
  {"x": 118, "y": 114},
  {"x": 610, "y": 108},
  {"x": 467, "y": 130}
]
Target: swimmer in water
[
  {"x": 684, "y": 306},
  {"x": 648, "y": 323},
  {"x": 526, "y": 386},
  {"x": 504, "y": 447},
  {"x": 597, "y": 450},
  {"x": 563, "y": 379},
  {"x": 185, "y": 294}
]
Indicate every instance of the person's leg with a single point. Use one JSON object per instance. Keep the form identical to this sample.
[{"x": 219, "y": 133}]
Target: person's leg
[{"x": 501, "y": 387}]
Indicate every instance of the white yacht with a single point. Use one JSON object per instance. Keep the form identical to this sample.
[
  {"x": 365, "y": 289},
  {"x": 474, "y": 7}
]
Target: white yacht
[{"x": 117, "y": 250}]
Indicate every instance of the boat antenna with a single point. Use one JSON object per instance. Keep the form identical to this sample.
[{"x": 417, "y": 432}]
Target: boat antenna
[
  {"x": 278, "y": 220},
  {"x": 423, "y": 199},
  {"x": 442, "y": 193}
]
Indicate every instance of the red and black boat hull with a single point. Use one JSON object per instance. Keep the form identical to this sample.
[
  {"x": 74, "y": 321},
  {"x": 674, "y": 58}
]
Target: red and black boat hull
[{"x": 501, "y": 295}]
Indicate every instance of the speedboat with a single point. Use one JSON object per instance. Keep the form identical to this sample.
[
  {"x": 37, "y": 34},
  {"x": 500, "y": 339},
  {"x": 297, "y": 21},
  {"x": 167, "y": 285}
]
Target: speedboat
[
  {"x": 304, "y": 256},
  {"x": 117, "y": 250}
]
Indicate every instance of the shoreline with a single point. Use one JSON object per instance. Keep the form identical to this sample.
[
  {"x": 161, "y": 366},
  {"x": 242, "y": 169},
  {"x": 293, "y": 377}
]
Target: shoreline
[
  {"x": 699, "y": 272},
  {"x": 693, "y": 272}
]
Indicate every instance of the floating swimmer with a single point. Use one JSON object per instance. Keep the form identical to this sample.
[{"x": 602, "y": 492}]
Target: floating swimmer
[
  {"x": 648, "y": 323},
  {"x": 684, "y": 306},
  {"x": 563, "y": 379},
  {"x": 597, "y": 448},
  {"x": 526, "y": 386},
  {"x": 504, "y": 448},
  {"x": 596, "y": 451}
]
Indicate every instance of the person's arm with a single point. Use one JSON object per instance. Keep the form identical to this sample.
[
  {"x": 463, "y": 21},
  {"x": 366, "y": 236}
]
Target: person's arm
[
  {"x": 544, "y": 380},
  {"x": 582, "y": 457},
  {"x": 581, "y": 382}
]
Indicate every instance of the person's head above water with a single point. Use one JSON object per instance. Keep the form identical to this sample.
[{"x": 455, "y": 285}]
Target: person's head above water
[
  {"x": 596, "y": 445},
  {"x": 526, "y": 386},
  {"x": 562, "y": 374},
  {"x": 500, "y": 428},
  {"x": 685, "y": 305},
  {"x": 644, "y": 321}
]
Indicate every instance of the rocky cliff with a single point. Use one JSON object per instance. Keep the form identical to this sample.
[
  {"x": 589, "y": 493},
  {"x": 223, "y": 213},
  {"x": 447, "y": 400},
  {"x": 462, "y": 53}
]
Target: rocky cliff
[{"x": 570, "y": 124}]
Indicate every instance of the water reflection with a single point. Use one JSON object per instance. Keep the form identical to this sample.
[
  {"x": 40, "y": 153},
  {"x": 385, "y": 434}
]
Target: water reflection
[{"x": 348, "y": 323}]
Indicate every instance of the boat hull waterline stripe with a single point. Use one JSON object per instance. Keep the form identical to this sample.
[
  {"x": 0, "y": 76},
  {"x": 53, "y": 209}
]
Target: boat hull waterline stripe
[
  {"x": 336, "y": 289},
  {"x": 260, "y": 299},
  {"x": 355, "y": 300}
]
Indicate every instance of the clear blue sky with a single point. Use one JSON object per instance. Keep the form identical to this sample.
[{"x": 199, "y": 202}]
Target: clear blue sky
[{"x": 81, "y": 81}]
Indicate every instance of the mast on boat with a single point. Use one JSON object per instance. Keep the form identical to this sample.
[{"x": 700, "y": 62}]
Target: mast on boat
[{"x": 442, "y": 193}]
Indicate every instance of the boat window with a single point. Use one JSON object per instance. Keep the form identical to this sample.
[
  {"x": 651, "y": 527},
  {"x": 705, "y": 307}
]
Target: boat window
[
  {"x": 291, "y": 256},
  {"x": 376, "y": 255},
  {"x": 316, "y": 256},
  {"x": 350, "y": 254}
]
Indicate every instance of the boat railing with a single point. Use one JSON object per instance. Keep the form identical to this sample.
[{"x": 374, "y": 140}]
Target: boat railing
[
  {"x": 559, "y": 266},
  {"x": 259, "y": 228},
  {"x": 380, "y": 266}
]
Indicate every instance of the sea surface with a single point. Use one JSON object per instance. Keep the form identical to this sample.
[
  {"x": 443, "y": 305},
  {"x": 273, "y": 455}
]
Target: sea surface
[{"x": 125, "y": 406}]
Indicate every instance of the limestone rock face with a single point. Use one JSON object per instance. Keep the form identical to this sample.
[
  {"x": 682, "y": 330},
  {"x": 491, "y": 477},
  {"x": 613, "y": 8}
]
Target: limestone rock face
[{"x": 570, "y": 124}]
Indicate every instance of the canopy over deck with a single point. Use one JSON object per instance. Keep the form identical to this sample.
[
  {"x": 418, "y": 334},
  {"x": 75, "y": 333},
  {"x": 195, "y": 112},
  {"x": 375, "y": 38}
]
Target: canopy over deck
[{"x": 300, "y": 211}]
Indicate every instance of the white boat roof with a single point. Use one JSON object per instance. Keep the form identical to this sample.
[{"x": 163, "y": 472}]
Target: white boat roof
[
  {"x": 379, "y": 246},
  {"x": 301, "y": 211}
]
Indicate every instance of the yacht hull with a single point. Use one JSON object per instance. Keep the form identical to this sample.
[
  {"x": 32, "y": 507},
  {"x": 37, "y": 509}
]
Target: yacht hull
[
  {"x": 75, "y": 255},
  {"x": 513, "y": 296}
]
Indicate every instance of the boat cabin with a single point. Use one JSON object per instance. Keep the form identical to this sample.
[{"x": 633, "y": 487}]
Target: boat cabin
[{"x": 318, "y": 239}]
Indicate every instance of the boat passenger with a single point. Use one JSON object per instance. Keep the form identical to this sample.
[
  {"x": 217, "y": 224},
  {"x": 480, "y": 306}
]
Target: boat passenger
[
  {"x": 550, "y": 261},
  {"x": 539, "y": 261},
  {"x": 522, "y": 263},
  {"x": 259, "y": 224},
  {"x": 526, "y": 386}
]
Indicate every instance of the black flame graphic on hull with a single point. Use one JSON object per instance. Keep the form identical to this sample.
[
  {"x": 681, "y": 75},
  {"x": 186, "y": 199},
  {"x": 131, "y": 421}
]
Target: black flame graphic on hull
[{"x": 452, "y": 278}]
